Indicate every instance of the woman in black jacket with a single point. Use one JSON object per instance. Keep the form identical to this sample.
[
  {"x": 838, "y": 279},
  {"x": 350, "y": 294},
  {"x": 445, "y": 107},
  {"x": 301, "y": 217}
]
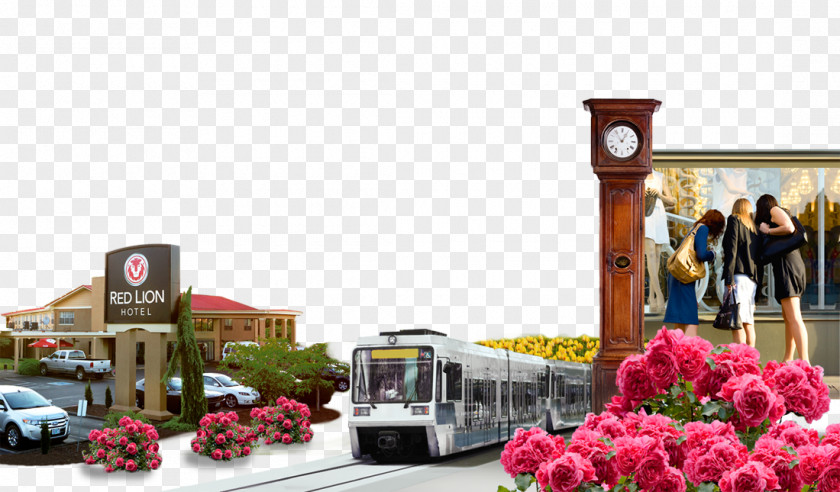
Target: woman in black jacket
[{"x": 741, "y": 275}]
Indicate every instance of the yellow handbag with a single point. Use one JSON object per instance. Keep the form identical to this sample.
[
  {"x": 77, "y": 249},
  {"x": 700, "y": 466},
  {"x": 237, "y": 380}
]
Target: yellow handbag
[{"x": 684, "y": 264}]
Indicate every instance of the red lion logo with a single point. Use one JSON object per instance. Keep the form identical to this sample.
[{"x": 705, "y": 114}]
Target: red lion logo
[{"x": 136, "y": 269}]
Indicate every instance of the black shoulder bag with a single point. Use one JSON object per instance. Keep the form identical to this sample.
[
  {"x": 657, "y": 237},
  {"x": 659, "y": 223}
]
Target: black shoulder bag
[{"x": 774, "y": 247}]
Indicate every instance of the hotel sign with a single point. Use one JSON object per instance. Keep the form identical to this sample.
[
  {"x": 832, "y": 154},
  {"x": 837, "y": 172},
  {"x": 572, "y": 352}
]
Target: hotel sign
[{"x": 142, "y": 284}]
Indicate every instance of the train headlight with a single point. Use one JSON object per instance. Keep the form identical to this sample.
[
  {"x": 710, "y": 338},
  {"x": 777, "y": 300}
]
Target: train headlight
[
  {"x": 424, "y": 410},
  {"x": 361, "y": 411}
]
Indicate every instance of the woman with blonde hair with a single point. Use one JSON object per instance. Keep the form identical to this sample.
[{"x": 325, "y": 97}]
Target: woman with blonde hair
[{"x": 741, "y": 274}]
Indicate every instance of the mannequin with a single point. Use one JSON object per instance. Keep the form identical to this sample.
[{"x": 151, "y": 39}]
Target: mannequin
[{"x": 656, "y": 235}]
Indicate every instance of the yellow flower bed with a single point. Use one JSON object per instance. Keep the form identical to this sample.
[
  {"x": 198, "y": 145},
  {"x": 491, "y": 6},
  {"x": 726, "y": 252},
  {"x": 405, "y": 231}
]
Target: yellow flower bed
[{"x": 580, "y": 349}]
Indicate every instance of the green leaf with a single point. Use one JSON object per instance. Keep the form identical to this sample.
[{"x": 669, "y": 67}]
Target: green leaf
[
  {"x": 503, "y": 489},
  {"x": 724, "y": 413},
  {"x": 710, "y": 408},
  {"x": 711, "y": 363},
  {"x": 606, "y": 440},
  {"x": 706, "y": 487},
  {"x": 689, "y": 386},
  {"x": 677, "y": 425},
  {"x": 524, "y": 480},
  {"x": 793, "y": 463},
  {"x": 675, "y": 391},
  {"x": 682, "y": 439},
  {"x": 594, "y": 488},
  {"x": 632, "y": 487},
  {"x": 720, "y": 349},
  {"x": 610, "y": 455},
  {"x": 790, "y": 450}
]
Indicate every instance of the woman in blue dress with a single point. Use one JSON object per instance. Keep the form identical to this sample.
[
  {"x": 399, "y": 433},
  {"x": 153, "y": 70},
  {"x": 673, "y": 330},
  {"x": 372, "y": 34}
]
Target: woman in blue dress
[{"x": 682, "y": 301}]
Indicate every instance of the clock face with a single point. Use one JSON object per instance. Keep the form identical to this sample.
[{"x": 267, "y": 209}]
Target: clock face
[{"x": 622, "y": 142}]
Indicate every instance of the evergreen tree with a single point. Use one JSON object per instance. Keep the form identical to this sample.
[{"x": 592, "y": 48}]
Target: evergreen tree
[
  {"x": 109, "y": 400},
  {"x": 187, "y": 357},
  {"x": 89, "y": 394}
]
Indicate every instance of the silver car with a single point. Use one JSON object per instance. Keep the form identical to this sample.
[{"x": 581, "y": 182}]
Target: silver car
[
  {"x": 235, "y": 393},
  {"x": 21, "y": 413}
]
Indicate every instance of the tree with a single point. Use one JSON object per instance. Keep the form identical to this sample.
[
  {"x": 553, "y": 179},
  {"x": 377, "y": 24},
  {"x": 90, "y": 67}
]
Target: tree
[
  {"x": 89, "y": 394},
  {"x": 275, "y": 369},
  {"x": 187, "y": 357},
  {"x": 109, "y": 400}
]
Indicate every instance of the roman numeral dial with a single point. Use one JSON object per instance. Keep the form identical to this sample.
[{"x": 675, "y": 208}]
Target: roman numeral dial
[{"x": 622, "y": 141}]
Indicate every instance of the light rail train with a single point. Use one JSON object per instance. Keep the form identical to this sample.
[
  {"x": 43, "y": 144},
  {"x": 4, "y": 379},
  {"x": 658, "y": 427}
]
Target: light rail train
[{"x": 418, "y": 393}]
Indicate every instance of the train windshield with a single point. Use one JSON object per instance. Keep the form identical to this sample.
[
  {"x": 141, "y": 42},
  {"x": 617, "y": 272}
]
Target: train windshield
[{"x": 392, "y": 375}]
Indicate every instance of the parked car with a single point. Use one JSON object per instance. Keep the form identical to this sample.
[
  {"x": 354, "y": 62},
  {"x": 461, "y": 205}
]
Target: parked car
[
  {"x": 75, "y": 362},
  {"x": 234, "y": 393},
  {"x": 173, "y": 395},
  {"x": 231, "y": 347},
  {"x": 22, "y": 411},
  {"x": 339, "y": 377}
]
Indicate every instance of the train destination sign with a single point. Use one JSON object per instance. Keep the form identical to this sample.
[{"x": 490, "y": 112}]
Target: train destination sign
[{"x": 142, "y": 284}]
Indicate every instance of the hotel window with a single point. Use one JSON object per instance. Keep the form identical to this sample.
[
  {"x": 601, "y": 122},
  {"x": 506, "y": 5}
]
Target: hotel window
[
  {"x": 247, "y": 325},
  {"x": 811, "y": 194},
  {"x": 203, "y": 324},
  {"x": 228, "y": 324},
  {"x": 66, "y": 318}
]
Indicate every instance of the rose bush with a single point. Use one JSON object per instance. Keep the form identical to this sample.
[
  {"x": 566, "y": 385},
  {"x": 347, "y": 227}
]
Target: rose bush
[
  {"x": 288, "y": 422},
  {"x": 131, "y": 447},
  {"x": 222, "y": 438},
  {"x": 680, "y": 425}
]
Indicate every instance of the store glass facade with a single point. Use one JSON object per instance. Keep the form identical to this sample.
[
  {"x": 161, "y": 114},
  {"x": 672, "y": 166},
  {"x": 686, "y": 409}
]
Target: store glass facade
[{"x": 812, "y": 194}]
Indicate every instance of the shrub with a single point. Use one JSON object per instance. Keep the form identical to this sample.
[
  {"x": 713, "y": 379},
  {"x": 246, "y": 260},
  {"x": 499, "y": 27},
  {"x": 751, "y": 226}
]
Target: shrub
[
  {"x": 29, "y": 367},
  {"x": 175, "y": 424},
  {"x": 288, "y": 422},
  {"x": 112, "y": 419},
  {"x": 222, "y": 438},
  {"x": 89, "y": 394},
  {"x": 109, "y": 400},
  {"x": 131, "y": 447}
]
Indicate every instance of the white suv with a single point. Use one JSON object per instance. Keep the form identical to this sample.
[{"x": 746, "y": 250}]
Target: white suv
[{"x": 21, "y": 413}]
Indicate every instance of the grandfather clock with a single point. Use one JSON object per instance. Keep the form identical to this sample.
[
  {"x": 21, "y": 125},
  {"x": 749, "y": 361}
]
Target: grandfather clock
[{"x": 621, "y": 158}]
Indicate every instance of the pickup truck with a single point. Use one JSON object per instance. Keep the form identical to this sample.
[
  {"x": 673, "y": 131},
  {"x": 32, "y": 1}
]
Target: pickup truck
[{"x": 75, "y": 362}]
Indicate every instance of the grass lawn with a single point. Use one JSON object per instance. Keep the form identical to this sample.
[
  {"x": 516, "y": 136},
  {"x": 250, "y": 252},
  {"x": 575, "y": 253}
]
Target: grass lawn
[{"x": 8, "y": 362}]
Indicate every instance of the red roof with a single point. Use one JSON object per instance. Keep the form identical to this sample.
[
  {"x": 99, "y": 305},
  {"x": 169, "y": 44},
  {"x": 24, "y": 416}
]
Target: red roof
[{"x": 217, "y": 303}]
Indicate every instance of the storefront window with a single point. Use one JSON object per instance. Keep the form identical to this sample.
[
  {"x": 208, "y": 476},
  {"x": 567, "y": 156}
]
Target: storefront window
[{"x": 683, "y": 195}]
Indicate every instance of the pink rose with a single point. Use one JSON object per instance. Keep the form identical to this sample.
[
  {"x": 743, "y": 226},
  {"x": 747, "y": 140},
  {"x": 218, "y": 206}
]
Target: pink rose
[
  {"x": 753, "y": 400},
  {"x": 260, "y": 428},
  {"x": 812, "y": 461},
  {"x": 123, "y": 441},
  {"x": 130, "y": 465},
  {"x": 119, "y": 462},
  {"x": 565, "y": 473},
  {"x": 125, "y": 421},
  {"x": 633, "y": 380},
  {"x": 100, "y": 453},
  {"x": 661, "y": 366},
  {"x": 306, "y": 437},
  {"x": 216, "y": 454},
  {"x": 707, "y": 462},
  {"x": 196, "y": 448},
  {"x": 672, "y": 481},
  {"x": 220, "y": 439},
  {"x": 152, "y": 435},
  {"x": 132, "y": 448},
  {"x": 229, "y": 434},
  {"x": 520, "y": 437},
  {"x": 131, "y": 428},
  {"x": 690, "y": 354},
  {"x": 751, "y": 477},
  {"x": 287, "y": 439},
  {"x": 154, "y": 464},
  {"x": 228, "y": 454},
  {"x": 619, "y": 405},
  {"x": 90, "y": 461},
  {"x": 108, "y": 469},
  {"x": 651, "y": 468},
  {"x": 287, "y": 424},
  {"x": 225, "y": 421},
  {"x": 94, "y": 435},
  {"x": 629, "y": 452},
  {"x": 830, "y": 478},
  {"x": 246, "y": 450}
]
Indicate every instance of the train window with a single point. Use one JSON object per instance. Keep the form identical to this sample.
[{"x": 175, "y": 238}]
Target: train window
[
  {"x": 561, "y": 385},
  {"x": 493, "y": 400},
  {"x": 504, "y": 399},
  {"x": 438, "y": 383},
  {"x": 453, "y": 382},
  {"x": 541, "y": 385}
]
